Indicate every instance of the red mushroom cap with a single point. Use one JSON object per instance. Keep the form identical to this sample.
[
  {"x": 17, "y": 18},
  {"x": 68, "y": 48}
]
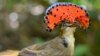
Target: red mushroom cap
[{"x": 59, "y": 12}]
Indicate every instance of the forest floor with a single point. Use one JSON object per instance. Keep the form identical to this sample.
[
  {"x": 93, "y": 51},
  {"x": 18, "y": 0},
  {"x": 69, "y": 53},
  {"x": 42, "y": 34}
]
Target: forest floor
[{"x": 9, "y": 53}]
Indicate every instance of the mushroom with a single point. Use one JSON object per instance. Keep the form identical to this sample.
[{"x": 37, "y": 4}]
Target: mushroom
[{"x": 69, "y": 16}]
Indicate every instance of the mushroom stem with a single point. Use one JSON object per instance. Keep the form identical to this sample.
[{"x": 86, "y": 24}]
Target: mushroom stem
[
  {"x": 59, "y": 46},
  {"x": 68, "y": 36}
]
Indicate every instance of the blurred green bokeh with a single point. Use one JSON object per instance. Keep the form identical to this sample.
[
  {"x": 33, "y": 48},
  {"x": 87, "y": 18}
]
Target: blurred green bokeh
[{"x": 21, "y": 24}]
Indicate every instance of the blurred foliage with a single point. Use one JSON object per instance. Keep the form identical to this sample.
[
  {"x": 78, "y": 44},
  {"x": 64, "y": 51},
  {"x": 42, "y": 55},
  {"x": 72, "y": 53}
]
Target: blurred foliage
[
  {"x": 21, "y": 24},
  {"x": 81, "y": 50}
]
